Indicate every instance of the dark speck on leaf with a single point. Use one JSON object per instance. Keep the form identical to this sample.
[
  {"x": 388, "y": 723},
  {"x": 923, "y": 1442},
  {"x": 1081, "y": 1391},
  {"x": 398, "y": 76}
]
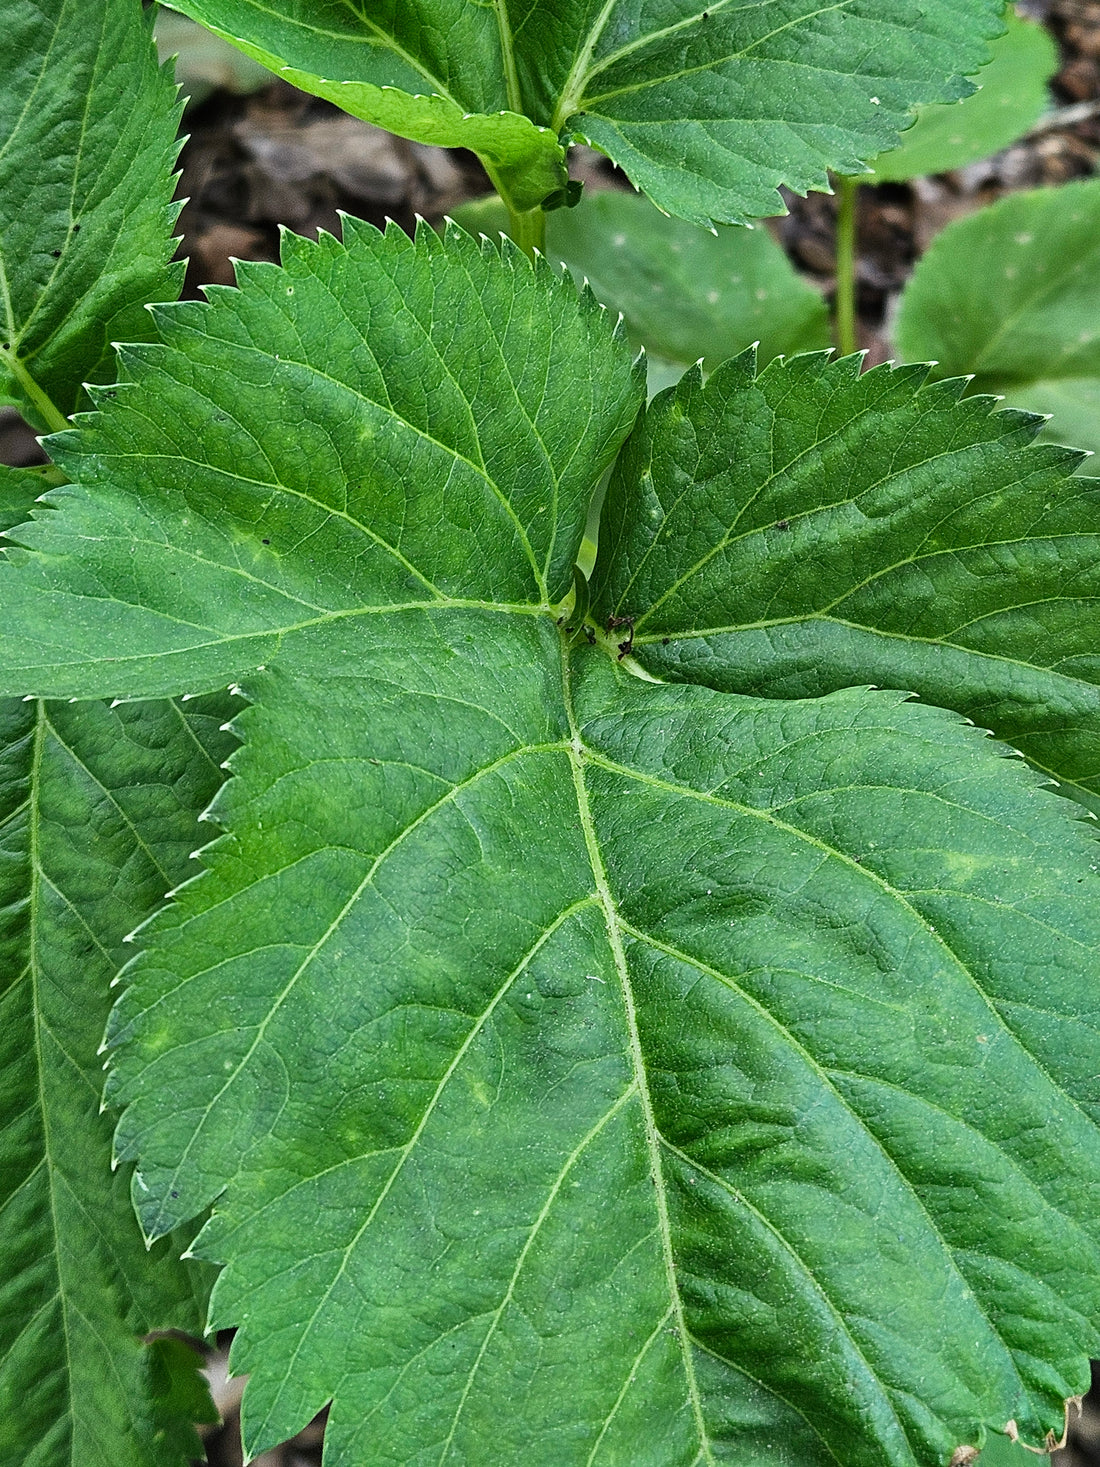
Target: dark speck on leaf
[
  {"x": 265, "y": 542},
  {"x": 56, "y": 254},
  {"x": 665, "y": 641},
  {"x": 782, "y": 524},
  {"x": 173, "y": 1194}
]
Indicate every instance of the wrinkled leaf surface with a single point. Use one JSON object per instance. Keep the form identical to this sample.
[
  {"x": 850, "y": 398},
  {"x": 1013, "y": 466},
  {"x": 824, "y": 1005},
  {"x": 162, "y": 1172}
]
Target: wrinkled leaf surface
[
  {"x": 96, "y": 823},
  {"x": 582, "y": 1069}
]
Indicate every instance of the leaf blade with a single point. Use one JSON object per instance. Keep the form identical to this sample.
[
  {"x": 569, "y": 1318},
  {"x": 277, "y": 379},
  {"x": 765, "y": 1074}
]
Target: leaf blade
[
  {"x": 1028, "y": 325},
  {"x": 1013, "y": 94},
  {"x": 87, "y": 210},
  {"x": 866, "y": 530},
  {"x": 491, "y": 917},
  {"x": 708, "y": 111},
  {"x": 684, "y": 294},
  {"x": 90, "y": 842},
  {"x": 223, "y": 603}
]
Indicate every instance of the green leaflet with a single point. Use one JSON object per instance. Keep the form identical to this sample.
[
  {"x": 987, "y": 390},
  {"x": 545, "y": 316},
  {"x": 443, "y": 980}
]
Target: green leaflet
[
  {"x": 582, "y": 1069},
  {"x": 1012, "y": 295},
  {"x": 85, "y": 195},
  {"x": 685, "y": 293},
  {"x": 1013, "y": 94},
  {"x": 343, "y": 428},
  {"x": 707, "y": 109},
  {"x": 96, "y": 822},
  {"x": 801, "y": 529}
]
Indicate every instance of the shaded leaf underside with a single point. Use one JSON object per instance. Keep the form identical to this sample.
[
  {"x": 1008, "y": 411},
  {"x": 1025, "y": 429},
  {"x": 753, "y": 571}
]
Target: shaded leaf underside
[
  {"x": 708, "y": 109},
  {"x": 582, "y": 1068}
]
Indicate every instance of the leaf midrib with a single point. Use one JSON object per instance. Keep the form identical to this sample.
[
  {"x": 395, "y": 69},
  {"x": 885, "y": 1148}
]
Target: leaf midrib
[
  {"x": 380, "y": 37},
  {"x": 163, "y": 1221},
  {"x": 863, "y": 870},
  {"x": 577, "y": 755}
]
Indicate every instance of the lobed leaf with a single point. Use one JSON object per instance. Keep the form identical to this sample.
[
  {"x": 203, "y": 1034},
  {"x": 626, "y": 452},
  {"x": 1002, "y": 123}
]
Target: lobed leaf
[
  {"x": 800, "y": 529},
  {"x": 88, "y": 128},
  {"x": 96, "y": 821},
  {"x": 708, "y": 110},
  {"x": 1011, "y": 296},
  {"x": 582, "y": 1069}
]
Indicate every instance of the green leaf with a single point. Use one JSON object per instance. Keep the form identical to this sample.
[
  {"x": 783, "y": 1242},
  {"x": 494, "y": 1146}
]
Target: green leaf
[
  {"x": 1013, "y": 94},
  {"x": 1012, "y": 295},
  {"x": 96, "y": 822},
  {"x": 19, "y": 488},
  {"x": 708, "y": 110},
  {"x": 342, "y": 427},
  {"x": 805, "y": 528},
  {"x": 441, "y": 72},
  {"x": 88, "y": 124},
  {"x": 583, "y": 1070},
  {"x": 684, "y": 293}
]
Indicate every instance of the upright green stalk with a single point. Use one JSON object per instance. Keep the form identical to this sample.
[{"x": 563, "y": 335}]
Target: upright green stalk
[
  {"x": 528, "y": 229},
  {"x": 52, "y": 416},
  {"x": 844, "y": 327}
]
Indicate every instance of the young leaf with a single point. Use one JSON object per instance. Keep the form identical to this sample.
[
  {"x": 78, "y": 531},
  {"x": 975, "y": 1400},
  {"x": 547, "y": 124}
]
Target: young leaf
[
  {"x": 708, "y": 110},
  {"x": 1012, "y": 95},
  {"x": 684, "y": 293},
  {"x": 586, "y": 1070},
  {"x": 96, "y": 822},
  {"x": 1012, "y": 295},
  {"x": 792, "y": 531},
  {"x": 88, "y": 123}
]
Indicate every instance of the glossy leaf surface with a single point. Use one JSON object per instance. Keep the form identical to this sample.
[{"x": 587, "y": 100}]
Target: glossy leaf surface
[
  {"x": 97, "y": 817},
  {"x": 582, "y": 1069},
  {"x": 1012, "y": 95},
  {"x": 707, "y": 109},
  {"x": 800, "y": 530},
  {"x": 1012, "y": 295},
  {"x": 87, "y": 141},
  {"x": 684, "y": 293}
]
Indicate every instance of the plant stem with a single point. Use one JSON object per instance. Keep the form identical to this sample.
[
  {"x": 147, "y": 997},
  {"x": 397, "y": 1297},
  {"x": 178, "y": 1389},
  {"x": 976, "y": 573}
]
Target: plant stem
[
  {"x": 51, "y": 416},
  {"x": 528, "y": 229},
  {"x": 845, "y": 318}
]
